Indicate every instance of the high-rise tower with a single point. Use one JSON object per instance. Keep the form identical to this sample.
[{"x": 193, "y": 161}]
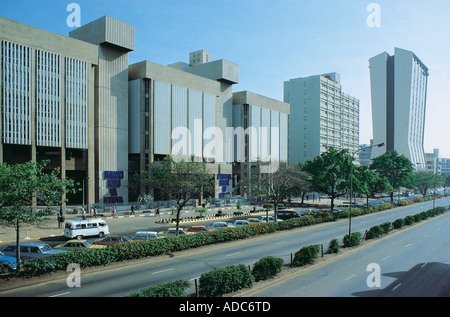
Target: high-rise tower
[{"x": 399, "y": 90}]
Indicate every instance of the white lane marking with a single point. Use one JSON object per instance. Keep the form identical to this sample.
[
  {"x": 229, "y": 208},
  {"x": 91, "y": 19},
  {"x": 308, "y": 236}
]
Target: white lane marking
[
  {"x": 353, "y": 275},
  {"x": 385, "y": 258},
  {"x": 232, "y": 254},
  {"x": 60, "y": 294},
  {"x": 162, "y": 271},
  {"x": 396, "y": 287},
  {"x": 409, "y": 244}
]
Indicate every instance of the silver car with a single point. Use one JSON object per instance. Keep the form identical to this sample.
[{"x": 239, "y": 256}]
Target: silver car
[{"x": 31, "y": 250}]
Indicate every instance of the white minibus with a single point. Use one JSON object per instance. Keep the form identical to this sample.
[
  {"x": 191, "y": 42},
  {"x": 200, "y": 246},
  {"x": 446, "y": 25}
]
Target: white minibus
[{"x": 86, "y": 227}]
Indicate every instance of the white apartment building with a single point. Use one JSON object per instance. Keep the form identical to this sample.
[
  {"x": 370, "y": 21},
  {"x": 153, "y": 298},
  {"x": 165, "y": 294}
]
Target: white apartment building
[
  {"x": 321, "y": 116},
  {"x": 399, "y": 90}
]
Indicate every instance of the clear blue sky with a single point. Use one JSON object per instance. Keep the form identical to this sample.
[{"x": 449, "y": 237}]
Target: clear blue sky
[{"x": 276, "y": 40}]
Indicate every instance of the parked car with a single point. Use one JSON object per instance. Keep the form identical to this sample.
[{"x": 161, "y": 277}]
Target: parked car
[
  {"x": 239, "y": 223},
  {"x": 113, "y": 239},
  {"x": 78, "y": 245},
  {"x": 8, "y": 261},
  {"x": 173, "y": 232},
  {"x": 218, "y": 225},
  {"x": 197, "y": 229},
  {"x": 31, "y": 250},
  {"x": 253, "y": 220},
  {"x": 268, "y": 219},
  {"x": 147, "y": 235},
  {"x": 331, "y": 210},
  {"x": 287, "y": 214}
]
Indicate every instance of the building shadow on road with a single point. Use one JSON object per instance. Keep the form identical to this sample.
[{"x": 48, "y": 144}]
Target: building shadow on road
[{"x": 423, "y": 280}]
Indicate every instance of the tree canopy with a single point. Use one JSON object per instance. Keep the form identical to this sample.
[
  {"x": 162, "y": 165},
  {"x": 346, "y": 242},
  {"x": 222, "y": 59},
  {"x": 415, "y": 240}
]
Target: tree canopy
[
  {"x": 177, "y": 180},
  {"x": 330, "y": 173},
  {"x": 397, "y": 169}
]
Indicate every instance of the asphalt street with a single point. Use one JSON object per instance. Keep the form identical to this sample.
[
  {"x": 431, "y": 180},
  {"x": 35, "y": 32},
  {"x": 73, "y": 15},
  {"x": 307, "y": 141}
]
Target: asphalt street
[{"x": 123, "y": 278}]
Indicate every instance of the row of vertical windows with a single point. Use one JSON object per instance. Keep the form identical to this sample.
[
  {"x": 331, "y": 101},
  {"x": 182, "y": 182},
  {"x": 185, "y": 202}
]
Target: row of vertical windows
[
  {"x": 16, "y": 84},
  {"x": 187, "y": 109}
]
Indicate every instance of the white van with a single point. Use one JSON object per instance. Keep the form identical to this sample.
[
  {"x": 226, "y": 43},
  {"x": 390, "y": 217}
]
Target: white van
[{"x": 86, "y": 227}]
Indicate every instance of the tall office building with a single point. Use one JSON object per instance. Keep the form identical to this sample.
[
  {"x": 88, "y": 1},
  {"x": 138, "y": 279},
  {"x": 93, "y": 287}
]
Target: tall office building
[
  {"x": 65, "y": 99},
  {"x": 47, "y": 102},
  {"x": 321, "y": 116},
  {"x": 399, "y": 90}
]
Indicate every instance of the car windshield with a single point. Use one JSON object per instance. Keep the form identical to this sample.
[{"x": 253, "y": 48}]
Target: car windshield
[
  {"x": 45, "y": 248},
  {"x": 86, "y": 244}
]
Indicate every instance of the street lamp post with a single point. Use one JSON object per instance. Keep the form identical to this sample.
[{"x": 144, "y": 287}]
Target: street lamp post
[{"x": 351, "y": 183}]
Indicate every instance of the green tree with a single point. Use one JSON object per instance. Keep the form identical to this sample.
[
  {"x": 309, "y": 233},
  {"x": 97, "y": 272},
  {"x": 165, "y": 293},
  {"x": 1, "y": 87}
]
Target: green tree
[
  {"x": 397, "y": 169},
  {"x": 367, "y": 182},
  {"x": 424, "y": 180},
  {"x": 18, "y": 185},
  {"x": 178, "y": 180},
  {"x": 330, "y": 173}
]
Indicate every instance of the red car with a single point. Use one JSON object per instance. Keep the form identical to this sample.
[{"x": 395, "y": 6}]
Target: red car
[{"x": 197, "y": 229}]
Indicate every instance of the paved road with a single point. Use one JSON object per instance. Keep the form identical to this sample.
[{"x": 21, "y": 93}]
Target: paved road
[
  {"x": 191, "y": 264},
  {"x": 413, "y": 262}
]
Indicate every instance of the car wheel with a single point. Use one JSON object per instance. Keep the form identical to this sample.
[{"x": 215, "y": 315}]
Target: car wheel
[
  {"x": 79, "y": 237},
  {"x": 101, "y": 234}
]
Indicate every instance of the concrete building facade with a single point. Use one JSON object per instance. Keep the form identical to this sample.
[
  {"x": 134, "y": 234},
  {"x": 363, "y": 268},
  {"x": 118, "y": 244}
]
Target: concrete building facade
[
  {"x": 399, "y": 90},
  {"x": 321, "y": 116},
  {"x": 183, "y": 111},
  {"x": 77, "y": 102},
  {"x": 114, "y": 40},
  {"x": 47, "y": 102},
  {"x": 260, "y": 133}
]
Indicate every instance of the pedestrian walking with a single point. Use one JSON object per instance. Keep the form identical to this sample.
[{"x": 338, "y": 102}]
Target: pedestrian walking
[
  {"x": 114, "y": 211},
  {"x": 157, "y": 211},
  {"x": 83, "y": 214},
  {"x": 132, "y": 210}
]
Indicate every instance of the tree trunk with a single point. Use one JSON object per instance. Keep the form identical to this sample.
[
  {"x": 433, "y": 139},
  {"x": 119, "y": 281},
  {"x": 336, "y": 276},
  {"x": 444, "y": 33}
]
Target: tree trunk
[
  {"x": 178, "y": 218},
  {"x": 18, "y": 244}
]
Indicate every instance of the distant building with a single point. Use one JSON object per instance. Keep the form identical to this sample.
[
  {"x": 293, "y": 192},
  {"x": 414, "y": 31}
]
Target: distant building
[
  {"x": 399, "y": 90},
  {"x": 434, "y": 161},
  {"x": 445, "y": 166},
  {"x": 365, "y": 154},
  {"x": 261, "y": 131},
  {"x": 321, "y": 116}
]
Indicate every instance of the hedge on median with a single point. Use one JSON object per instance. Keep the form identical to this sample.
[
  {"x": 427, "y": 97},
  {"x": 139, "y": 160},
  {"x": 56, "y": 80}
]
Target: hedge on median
[
  {"x": 220, "y": 281},
  {"x": 170, "y": 289},
  {"x": 146, "y": 248}
]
